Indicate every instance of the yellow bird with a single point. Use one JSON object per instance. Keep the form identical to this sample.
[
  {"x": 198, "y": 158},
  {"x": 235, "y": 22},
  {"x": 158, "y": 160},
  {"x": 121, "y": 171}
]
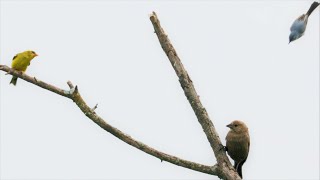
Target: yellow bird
[{"x": 20, "y": 62}]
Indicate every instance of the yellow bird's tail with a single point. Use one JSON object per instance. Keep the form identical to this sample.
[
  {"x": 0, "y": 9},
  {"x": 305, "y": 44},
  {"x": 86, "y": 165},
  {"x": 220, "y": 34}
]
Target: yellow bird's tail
[{"x": 14, "y": 80}]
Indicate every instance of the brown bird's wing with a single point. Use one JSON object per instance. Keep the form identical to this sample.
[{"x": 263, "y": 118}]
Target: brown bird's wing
[
  {"x": 313, "y": 6},
  {"x": 238, "y": 165}
]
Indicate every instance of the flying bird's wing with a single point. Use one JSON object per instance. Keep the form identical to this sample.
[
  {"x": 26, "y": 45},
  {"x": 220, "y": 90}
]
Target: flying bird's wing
[{"x": 299, "y": 24}]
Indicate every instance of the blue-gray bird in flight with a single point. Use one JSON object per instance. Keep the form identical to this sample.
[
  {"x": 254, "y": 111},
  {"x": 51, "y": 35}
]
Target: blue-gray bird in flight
[{"x": 299, "y": 25}]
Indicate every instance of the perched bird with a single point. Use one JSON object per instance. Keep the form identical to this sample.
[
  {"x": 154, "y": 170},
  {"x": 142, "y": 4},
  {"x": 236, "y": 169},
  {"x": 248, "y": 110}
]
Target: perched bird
[
  {"x": 20, "y": 62},
  {"x": 238, "y": 144},
  {"x": 299, "y": 25}
]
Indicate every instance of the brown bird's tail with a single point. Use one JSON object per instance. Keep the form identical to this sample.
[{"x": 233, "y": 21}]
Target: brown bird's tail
[
  {"x": 14, "y": 80},
  {"x": 238, "y": 167},
  {"x": 313, "y": 6}
]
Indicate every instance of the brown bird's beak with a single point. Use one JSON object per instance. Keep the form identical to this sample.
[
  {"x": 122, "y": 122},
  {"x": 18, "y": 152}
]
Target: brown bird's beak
[
  {"x": 229, "y": 125},
  {"x": 35, "y": 54}
]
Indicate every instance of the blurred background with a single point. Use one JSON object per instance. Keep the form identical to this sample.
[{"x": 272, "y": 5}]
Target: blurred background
[{"x": 236, "y": 53}]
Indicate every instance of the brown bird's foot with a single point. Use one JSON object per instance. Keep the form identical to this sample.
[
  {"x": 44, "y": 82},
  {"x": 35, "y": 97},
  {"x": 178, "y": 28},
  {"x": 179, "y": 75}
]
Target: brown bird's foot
[{"x": 224, "y": 148}]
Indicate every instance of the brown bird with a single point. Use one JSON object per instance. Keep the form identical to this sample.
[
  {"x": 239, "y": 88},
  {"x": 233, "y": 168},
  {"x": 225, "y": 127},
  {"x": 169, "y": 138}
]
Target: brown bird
[{"x": 238, "y": 144}]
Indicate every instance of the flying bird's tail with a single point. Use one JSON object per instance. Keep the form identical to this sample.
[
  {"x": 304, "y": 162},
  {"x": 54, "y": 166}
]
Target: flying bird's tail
[
  {"x": 313, "y": 6},
  {"x": 14, "y": 80}
]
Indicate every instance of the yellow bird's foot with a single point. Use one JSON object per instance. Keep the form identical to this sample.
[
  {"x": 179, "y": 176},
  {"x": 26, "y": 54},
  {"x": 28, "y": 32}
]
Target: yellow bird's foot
[{"x": 9, "y": 72}]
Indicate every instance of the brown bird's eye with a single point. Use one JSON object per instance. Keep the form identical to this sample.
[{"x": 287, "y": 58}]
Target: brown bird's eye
[
  {"x": 235, "y": 125},
  {"x": 33, "y": 52}
]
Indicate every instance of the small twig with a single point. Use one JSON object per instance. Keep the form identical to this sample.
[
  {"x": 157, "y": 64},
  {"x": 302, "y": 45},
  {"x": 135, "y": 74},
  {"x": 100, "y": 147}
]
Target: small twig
[
  {"x": 70, "y": 84},
  {"x": 76, "y": 89},
  {"x": 95, "y": 107}
]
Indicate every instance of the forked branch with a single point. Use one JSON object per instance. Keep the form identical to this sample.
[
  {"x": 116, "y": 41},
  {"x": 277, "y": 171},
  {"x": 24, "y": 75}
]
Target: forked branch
[{"x": 223, "y": 168}]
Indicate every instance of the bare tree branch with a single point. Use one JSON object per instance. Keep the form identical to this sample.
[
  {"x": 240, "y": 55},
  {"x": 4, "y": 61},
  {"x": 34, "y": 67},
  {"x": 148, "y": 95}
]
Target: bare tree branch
[
  {"x": 227, "y": 171},
  {"x": 222, "y": 169},
  {"x": 74, "y": 95}
]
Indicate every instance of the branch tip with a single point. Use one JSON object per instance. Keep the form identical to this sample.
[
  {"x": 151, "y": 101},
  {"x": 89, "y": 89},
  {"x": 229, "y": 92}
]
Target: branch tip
[
  {"x": 70, "y": 84},
  {"x": 153, "y": 16},
  {"x": 76, "y": 89}
]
